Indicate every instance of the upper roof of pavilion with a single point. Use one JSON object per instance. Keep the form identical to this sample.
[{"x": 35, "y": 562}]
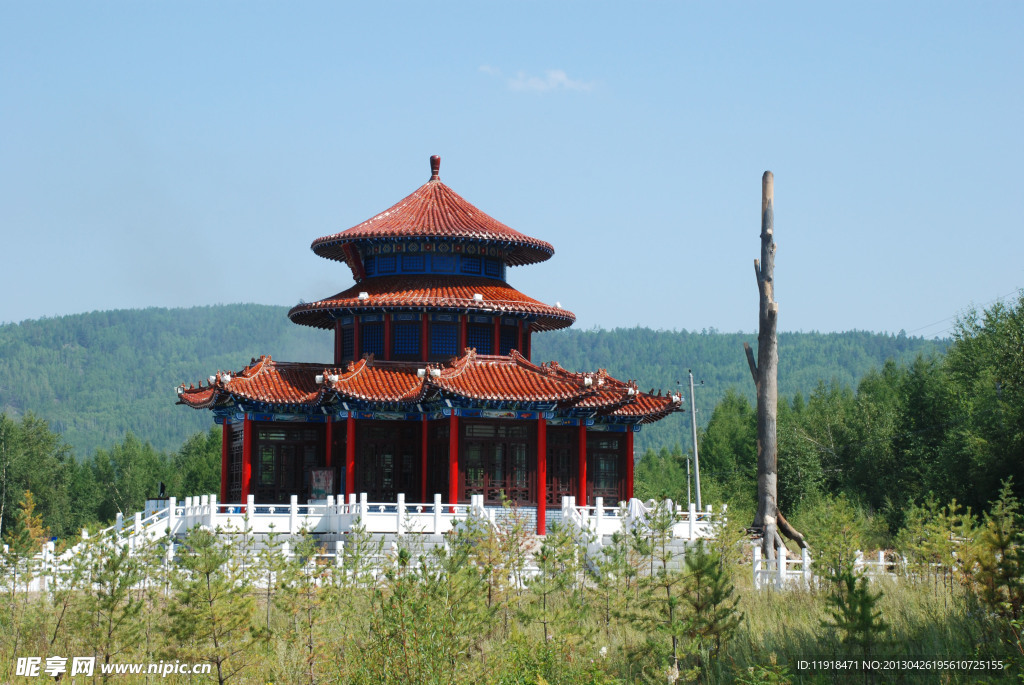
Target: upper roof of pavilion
[
  {"x": 471, "y": 379},
  {"x": 434, "y": 211}
]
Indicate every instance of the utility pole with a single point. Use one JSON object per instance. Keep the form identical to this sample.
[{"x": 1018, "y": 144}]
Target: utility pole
[{"x": 693, "y": 425}]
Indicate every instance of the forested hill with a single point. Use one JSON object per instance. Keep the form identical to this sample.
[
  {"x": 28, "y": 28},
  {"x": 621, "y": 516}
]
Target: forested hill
[{"x": 95, "y": 376}]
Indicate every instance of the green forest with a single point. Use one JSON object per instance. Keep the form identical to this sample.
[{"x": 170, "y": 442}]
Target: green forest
[{"x": 95, "y": 377}]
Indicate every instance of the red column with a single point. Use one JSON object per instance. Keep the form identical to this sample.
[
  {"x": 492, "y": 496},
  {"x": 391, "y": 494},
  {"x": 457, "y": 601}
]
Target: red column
[
  {"x": 330, "y": 443},
  {"x": 423, "y": 460},
  {"x": 350, "y": 456},
  {"x": 463, "y": 338},
  {"x": 337, "y": 342},
  {"x": 246, "y": 458},
  {"x": 497, "y": 335},
  {"x": 453, "y": 459},
  {"x": 387, "y": 336},
  {"x": 424, "y": 340},
  {"x": 542, "y": 475},
  {"x": 629, "y": 463},
  {"x": 355, "y": 338},
  {"x": 225, "y": 442},
  {"x": 581, "y": 498}
]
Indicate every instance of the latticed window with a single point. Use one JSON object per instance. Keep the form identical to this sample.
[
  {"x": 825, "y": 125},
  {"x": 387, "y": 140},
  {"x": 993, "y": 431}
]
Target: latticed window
[
  {"x": 386, "y": 264},
  {"x": 443, "y": 263},
  {"x": 347, "y": 340},
  {"x": 470, "y": 265},
  {"x": 412, "y": 262},
  {"x": 372, "y": 341},
  {"x": 492, "y": 268},
  {"x": 405, "y": 339},
  {"x": 509, "y": 339},
  {"x": 444, "y": 340},
  {"x": 480, "y": 337}
]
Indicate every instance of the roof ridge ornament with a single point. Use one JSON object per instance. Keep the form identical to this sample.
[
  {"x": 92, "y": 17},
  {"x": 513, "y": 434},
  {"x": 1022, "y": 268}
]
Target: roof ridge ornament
[{"x": 435, "y": 167}]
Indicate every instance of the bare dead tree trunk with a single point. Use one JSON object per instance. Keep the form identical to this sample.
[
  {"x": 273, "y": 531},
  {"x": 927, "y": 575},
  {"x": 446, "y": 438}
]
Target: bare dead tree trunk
[{"x": 765, "y": 372}]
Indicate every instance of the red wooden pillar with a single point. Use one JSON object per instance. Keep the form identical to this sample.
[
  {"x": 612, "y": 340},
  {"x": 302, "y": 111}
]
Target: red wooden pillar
[
  {"x": 629, "y": 463},
  {"x": 225, "y": 445},
  {"x": 453, "y": 459},
  {"x": 497, "y": 336},
  {"x": 350, "y": 456},
  {"x": 355, "y": 338},
  {"x": 328, "y": 452},
  {"x": 424, "y": 340},
  {"x": 337, "y": 342},
  {"x": 542, "y": 475},
  {"x": 423, "y": 459},
  {"x": 246, "y": 458},
  {"x": 387, "y": 336},
  {"x": 581, "y": 498},
  {"x": 463, "y": 336}
]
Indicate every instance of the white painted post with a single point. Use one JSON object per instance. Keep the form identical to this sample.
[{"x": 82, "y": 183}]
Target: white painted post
[
  {"x": 757, "y": 566},
  {"x": 881, "y": 562},
  {"x": 118, "y": 523},
  {"x": 329, "y": 513},
  {"x": 293, "y": 514},
  {"x": 780, "y": 555},
  {"x": 598, "y": 514},
  {"x": 172, "y": 504},
  {"x": 858, "y": 561},
  {"x": 692, "y": 513},
  {"x": 363, "y": 506},
  {"x": 85, "y": 534},
  {"x": 213, "y": 512},
  {"x": 437, "y": 512},
  {"x": 805, "y": 559},
  {"x": 352, "y": 498},
  {"x": 400, "y": 514},
  {"x": 136, "y": 532},
  {"x": 250, "y": 509}
]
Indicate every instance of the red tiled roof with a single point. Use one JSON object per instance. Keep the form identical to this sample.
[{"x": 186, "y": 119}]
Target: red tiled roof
[
  {"x": 432, "y": 293},
  {"x": 474, "y": 377},
  {"x": 436, "y": 211}
]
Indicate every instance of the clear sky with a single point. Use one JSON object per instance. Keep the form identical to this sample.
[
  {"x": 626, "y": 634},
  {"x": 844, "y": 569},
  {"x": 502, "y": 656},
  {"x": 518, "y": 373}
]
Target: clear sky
[{"x": 186, "y": 153}]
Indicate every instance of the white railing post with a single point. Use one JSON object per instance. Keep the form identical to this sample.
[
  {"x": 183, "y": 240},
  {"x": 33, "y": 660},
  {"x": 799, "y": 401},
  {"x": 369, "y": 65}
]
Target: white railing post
[
  {"x": 780, "y": 560},
  {"x": 293, "y": 514},
  {"x": 598, "y": 514},
  {"x": 329, "y": 513},
  {"x": 363, "y": 506},
  {"x": 352, "y": 499},
  {"x": 250, "y": 511},
  {"x": 400, "y": 514},
  {"x": 133, "y": 541},
  {"x": 805, "y": 560},
  {"x": 437, "y": 512},
  {"x": 172, "y": 503},
  {"x": 881, "y": 562},
  {"x": 118, "y": 523},
  {"x": 213, "y": 512},
  {"x": 692, "y": 513},
  {"x": 858, "y": 561},
  {"x": 757, "y": 566}
]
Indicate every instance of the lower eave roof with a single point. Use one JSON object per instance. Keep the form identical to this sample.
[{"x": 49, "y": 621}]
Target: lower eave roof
[
  {"x": 472, "y": 377},
  {"x": 433, "y": 294}
]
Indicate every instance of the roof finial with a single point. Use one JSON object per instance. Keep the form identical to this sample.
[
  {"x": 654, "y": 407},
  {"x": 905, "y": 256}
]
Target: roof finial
[{"x": 435, "y": 167}]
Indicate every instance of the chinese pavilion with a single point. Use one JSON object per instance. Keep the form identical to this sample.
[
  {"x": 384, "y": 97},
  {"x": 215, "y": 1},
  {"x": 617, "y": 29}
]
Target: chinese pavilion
[{"x": 432, "y": 389}]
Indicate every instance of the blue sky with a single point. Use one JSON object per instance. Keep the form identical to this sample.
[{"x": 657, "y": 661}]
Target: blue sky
[{"x": 187, "y": 153}]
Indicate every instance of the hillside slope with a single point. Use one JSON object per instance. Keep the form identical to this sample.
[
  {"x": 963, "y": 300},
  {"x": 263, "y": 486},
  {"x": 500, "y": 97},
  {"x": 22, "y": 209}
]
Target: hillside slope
[{"x": 95, "y": 376}]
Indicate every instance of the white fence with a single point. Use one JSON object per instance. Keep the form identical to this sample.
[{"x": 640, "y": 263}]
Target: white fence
[
  {"x": 174, "y": 519},
  {"x": 783, "y": 572}
]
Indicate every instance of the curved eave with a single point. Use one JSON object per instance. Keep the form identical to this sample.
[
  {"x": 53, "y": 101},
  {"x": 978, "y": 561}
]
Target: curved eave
[
  {"x": 429, "y": 293},
  {"x": 436, "y": 212}
]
